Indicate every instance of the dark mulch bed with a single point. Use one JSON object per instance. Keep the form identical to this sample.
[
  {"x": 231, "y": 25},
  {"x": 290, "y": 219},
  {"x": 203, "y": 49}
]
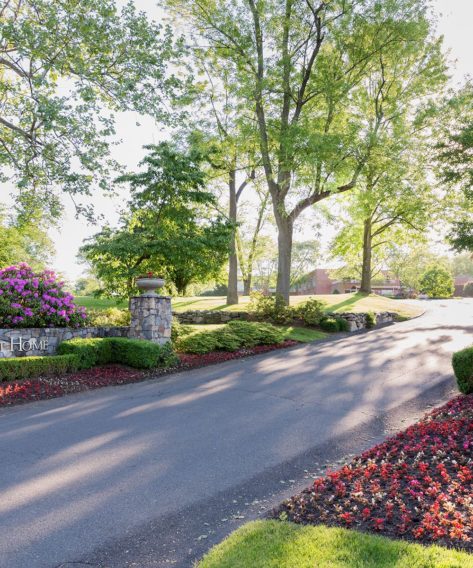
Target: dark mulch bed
[
  {"x": 40, "y": 388},
  {"x": 417, "y": 485}
]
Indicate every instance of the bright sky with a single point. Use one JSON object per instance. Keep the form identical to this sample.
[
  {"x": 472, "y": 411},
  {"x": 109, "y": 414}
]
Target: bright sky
[{"x": 455, "y": 17}]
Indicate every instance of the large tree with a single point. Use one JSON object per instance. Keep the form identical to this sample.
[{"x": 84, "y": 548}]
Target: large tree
[
  {"x": 63, "y": 66},
  {"x": 24, "y": 240},
  {"x": 455, "y": 161},
  {"x": 169, "y": 228},
  {"x": 295, "y": 64}
]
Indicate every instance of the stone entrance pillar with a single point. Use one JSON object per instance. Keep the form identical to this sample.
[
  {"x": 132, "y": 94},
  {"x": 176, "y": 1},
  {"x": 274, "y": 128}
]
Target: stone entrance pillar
[{"x": 151, "y": 318}]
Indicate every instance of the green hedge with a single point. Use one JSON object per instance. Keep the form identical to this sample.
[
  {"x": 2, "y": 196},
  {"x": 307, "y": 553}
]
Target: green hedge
[
  {"x": 233, "y": 336},
  {"x": 462, "y": 362},
  {"x": 138, "y": 353},
  {"x": 17, "y": 368}
]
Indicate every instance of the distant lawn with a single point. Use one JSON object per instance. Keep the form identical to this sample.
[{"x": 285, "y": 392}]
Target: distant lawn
[
  {"x": 273, "y": 544},
  {"x": 335, "y": 303},
  {"x": 92, "y": 303},
  {"x": 302, "y": 334}
]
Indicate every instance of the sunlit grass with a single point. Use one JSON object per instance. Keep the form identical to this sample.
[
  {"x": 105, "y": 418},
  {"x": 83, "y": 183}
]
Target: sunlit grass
[
  {"x": 335, "y": 302},
  {"x": 273, "y": 544}
]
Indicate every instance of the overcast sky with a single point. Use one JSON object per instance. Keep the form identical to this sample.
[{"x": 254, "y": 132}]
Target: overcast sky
[{"x": 455, "y": 17}]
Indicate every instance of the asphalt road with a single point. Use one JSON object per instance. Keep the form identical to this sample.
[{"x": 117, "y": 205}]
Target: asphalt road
[{"x": 152, "y": 474}]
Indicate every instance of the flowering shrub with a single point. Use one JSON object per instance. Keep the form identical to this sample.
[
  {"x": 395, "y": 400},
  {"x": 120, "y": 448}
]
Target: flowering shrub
[
  {"x": 36, "y": 299},
  {"x": 417, "y": 485}
]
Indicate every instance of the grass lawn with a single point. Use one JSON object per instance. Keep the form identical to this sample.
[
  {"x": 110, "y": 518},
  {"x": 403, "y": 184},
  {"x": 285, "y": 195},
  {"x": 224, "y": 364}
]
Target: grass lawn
[
  {"x": 274, "y": 544},
  {"x": 92, "y": 303},
  {"x": 302, "y": 334},
  {"x": 335, "y": 303}
]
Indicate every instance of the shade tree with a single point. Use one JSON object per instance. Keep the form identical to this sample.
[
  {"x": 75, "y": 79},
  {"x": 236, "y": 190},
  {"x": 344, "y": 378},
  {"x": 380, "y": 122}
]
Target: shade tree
[
  {"x": 171, "y": 227},
  {"x": 65, "y": 68},
  {"x": 296, "y": 64}
]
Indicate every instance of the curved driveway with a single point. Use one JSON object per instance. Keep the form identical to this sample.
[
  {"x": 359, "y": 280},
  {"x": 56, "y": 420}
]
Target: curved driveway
[{"x": 153, "y": 473}]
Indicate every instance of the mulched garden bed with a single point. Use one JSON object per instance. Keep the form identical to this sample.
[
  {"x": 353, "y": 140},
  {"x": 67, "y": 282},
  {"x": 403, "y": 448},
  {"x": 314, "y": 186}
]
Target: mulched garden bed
[
  {"x": 417, "y": 485},
  {"x": 40, "y": 388}
]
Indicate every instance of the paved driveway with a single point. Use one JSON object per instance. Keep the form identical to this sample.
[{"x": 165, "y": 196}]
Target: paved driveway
[{"x": 151, "y": 474}]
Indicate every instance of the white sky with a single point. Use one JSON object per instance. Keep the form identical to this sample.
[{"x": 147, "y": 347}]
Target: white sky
[{"x": 455, "y": 17}]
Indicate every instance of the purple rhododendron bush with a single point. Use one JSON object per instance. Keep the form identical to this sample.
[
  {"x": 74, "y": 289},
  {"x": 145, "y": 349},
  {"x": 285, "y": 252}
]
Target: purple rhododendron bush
[{"x": 36, "y": 299}]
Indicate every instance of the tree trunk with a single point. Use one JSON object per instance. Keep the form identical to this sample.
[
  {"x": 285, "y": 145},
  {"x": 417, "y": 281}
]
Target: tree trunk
[
  {"x": 232, "y": 293},
  {"x": 367, "y": 253},
  {"x": 247, "y": 285},
  {"x": 285, "y": 231}
]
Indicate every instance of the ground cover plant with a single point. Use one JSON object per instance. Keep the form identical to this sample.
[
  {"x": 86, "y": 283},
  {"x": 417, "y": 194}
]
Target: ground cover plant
[
  {"x": 36, "y": 299},
  {"x": 417, "y": 485},
  {"x": 273, "y": 544},
  {"x": 230, "y": 337}
]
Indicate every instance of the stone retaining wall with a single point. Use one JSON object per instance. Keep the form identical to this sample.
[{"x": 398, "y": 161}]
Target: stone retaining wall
[
  {"x": 208, "y": 316},
  {"x": 44, "y": 341},
  {"x": 356, "y": 321}
]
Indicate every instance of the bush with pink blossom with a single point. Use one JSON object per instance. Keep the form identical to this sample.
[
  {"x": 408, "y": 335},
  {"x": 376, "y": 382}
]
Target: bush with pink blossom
[{"x": 36, "y": 299}]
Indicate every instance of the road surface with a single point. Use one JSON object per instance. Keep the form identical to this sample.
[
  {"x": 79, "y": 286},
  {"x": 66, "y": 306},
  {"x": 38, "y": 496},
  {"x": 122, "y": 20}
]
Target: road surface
[{"x": 152, "y": 474}]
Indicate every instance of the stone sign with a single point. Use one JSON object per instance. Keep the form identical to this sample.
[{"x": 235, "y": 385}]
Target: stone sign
[{"x": 23, "y": 344}]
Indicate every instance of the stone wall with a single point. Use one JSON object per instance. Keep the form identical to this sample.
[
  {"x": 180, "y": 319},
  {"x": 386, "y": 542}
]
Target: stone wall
[
  {"x": 208, "y": 316},
  {"x": 358, "y": 321},
  {"x": 151, "y": 318},
  {"x": 44, "y": 341}
]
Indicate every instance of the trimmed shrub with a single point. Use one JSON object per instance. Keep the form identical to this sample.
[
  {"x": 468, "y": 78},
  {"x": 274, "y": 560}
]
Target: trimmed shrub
[
  {"x": 252, "y": 333},
  {"x": 329, "y": 324},
  {"x": 249, "y": 333},
  {"x": 343, "y": 325},
  {"x": 200, "y": 342},
  {"x": 179, "y": 330},
  {"x": 468, "y": 290},
  {"x": 36, "y": 299},
  {"x": 17, "y": 368},
  {"x": 111, "y": 317},
  {"x": 310, "y": 312},
  {"x": 462, "y": 362},
  {"x": 270, "y": 308},
  {"x": 138, "y": 353},
  {"x": 233, "y": 336},
  {"x": 89, "y": 352},
  {"x": 370, "y": 320},
  {"x": 228, "y": 341}
]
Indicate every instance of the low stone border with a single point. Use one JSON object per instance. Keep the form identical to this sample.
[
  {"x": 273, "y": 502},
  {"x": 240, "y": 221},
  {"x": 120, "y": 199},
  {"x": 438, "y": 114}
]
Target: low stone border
[
  {"x": 44, "y": 340},
  {"x": 356, "y": 321}
]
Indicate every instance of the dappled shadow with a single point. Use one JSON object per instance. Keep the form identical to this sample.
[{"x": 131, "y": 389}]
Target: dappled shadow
[
  {"x": 345, "y": 304},
  {"x": 83, "y": 469}
]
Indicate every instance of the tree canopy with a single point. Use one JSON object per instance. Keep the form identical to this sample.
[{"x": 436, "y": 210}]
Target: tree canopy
[
  {"x": 169, "y": 228},
  {"x": 64, "y": 68}
]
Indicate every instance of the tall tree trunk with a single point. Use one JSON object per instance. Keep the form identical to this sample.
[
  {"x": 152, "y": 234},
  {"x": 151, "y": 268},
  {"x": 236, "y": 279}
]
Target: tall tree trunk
[
  {"x": 247, "y": 285},
  {"x": 367, "y": 254},
  {"x": 285, "y": 233},
  {"x": 232, "y": 293}
]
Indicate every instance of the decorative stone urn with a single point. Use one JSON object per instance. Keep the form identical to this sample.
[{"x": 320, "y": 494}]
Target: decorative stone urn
[{"x": 148, "y": 285}]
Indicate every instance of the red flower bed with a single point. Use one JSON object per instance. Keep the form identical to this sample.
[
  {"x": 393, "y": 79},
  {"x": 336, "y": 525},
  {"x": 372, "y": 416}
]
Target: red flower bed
[
  {"x": 17, "y": 392},
  {"x": 192, "y": 360},
  {"x": 417, "y": 485}
]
